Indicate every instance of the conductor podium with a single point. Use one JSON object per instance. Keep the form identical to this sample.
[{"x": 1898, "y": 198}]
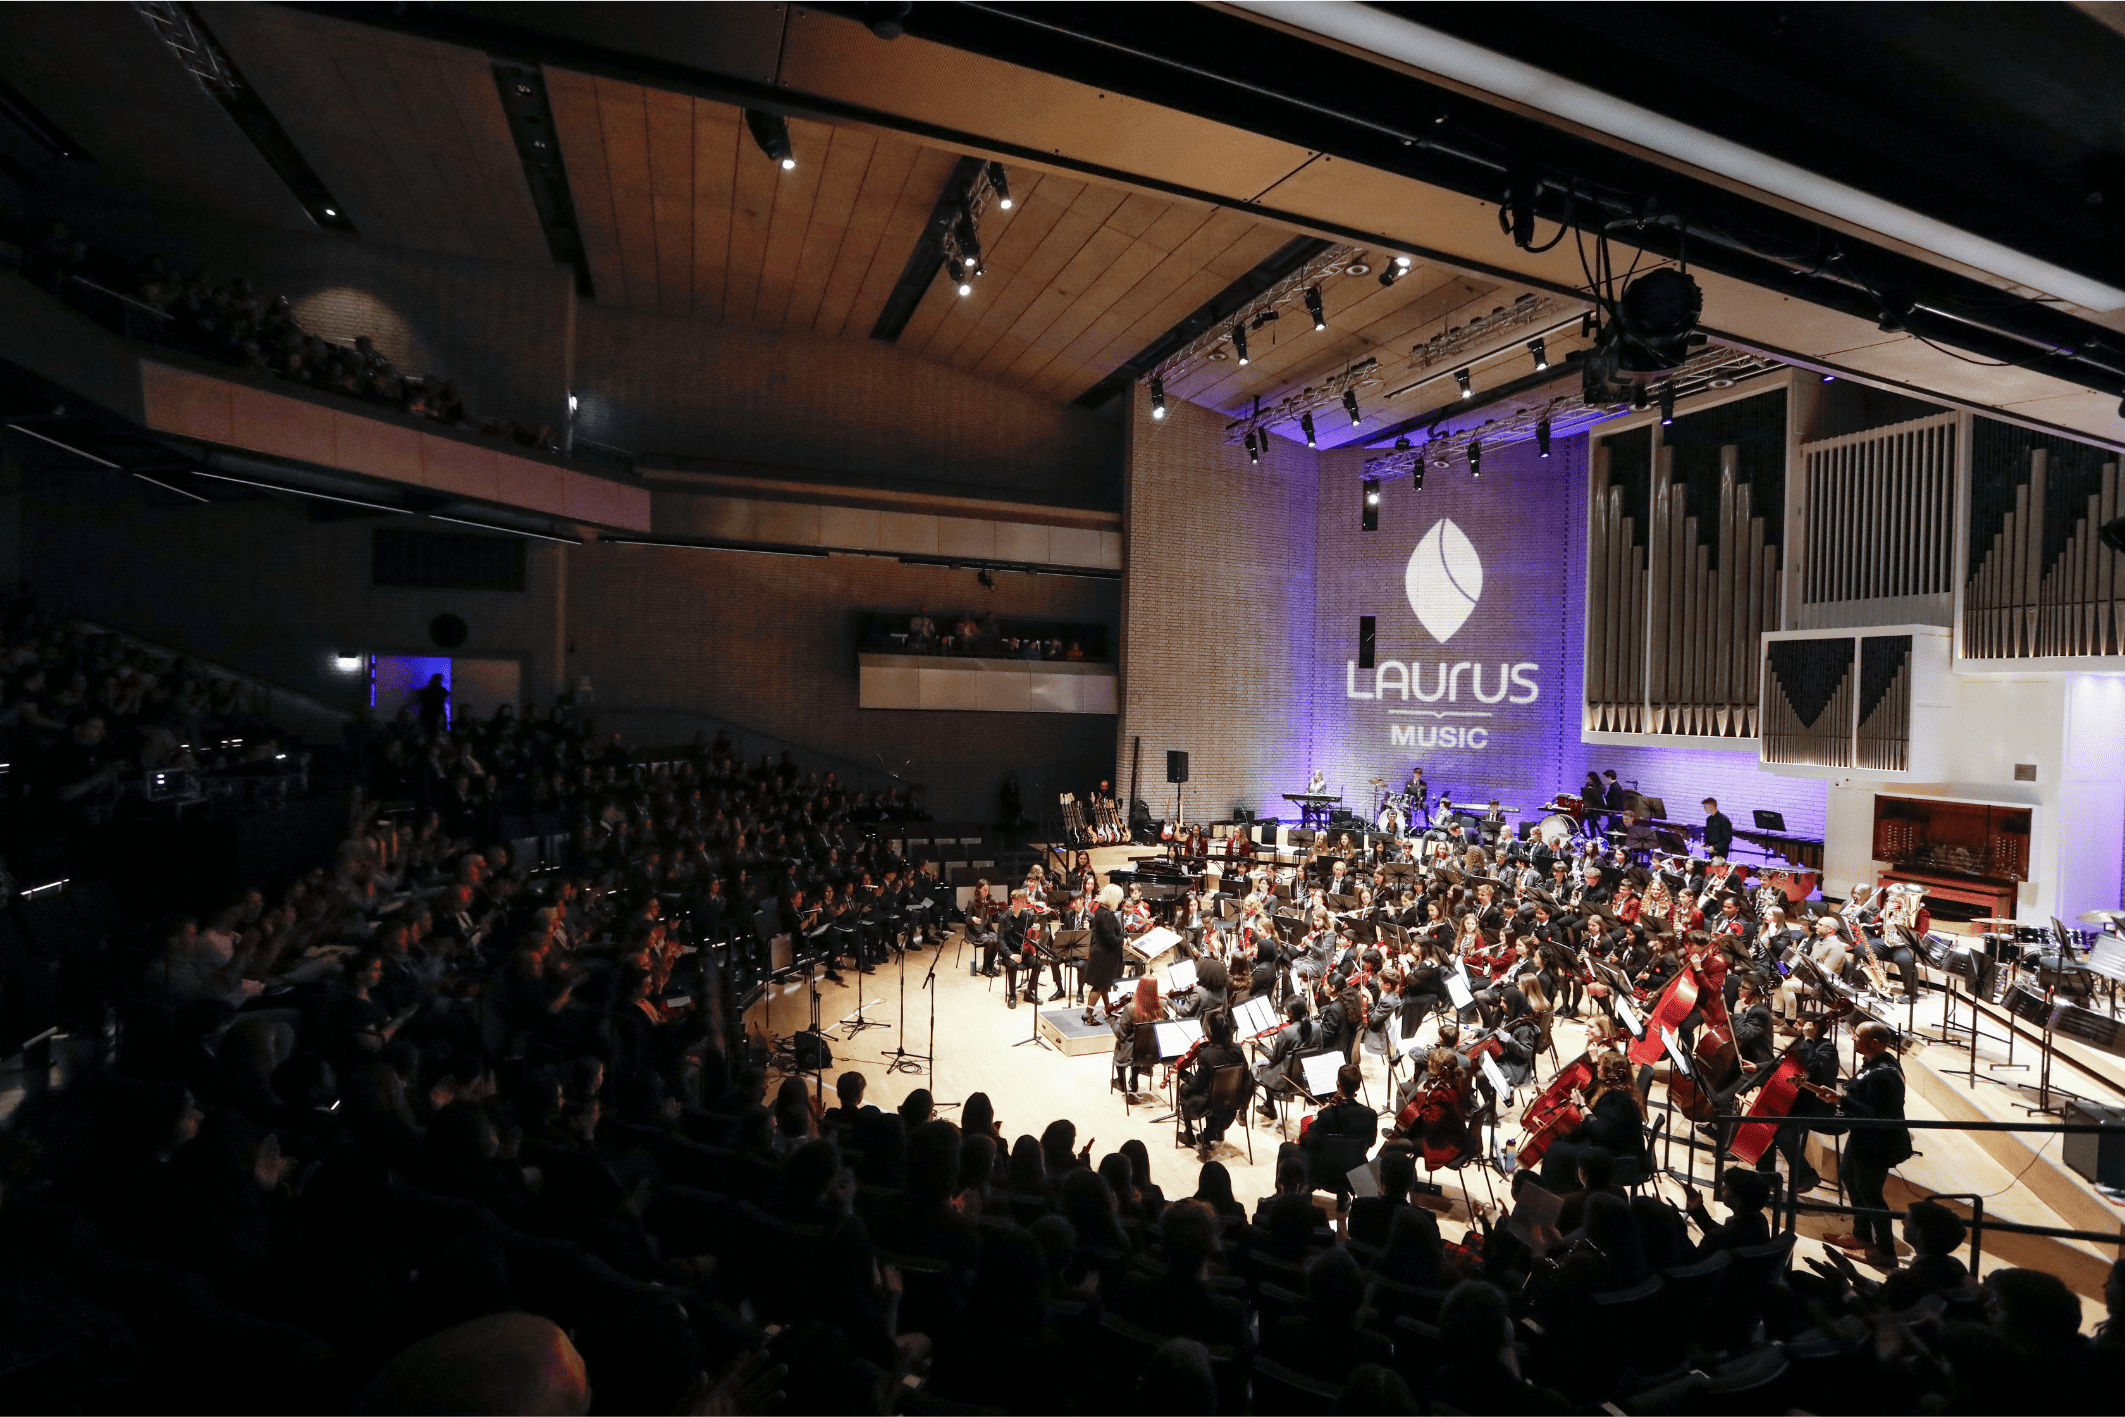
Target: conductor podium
[{"x": 1066, "y": 1031}]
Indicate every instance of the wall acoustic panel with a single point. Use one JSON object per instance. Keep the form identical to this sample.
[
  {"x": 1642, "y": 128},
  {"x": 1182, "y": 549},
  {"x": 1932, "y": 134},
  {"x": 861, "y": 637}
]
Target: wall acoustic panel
[
  {"x": 909, "y": 681},
  {"x": 2039, "y": 582}
]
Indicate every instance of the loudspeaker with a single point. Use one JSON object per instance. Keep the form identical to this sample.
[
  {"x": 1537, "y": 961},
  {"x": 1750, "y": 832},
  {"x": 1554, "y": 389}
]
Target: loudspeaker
[
  {"x": 1176, "y": 766},
  {"x": 812, "y": 1054},
  {"x": 1366, "y": 640},
  {"x": 448, "y": 631},
  {"x": 2097, "y": 1156}
]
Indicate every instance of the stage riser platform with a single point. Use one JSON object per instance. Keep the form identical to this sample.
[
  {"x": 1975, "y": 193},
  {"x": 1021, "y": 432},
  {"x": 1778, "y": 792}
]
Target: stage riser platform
[{"x": 1067, "y": 1033}]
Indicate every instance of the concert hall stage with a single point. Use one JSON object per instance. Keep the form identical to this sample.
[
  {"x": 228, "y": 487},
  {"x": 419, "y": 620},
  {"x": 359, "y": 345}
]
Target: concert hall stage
[{"x": 983, "y": 1046}]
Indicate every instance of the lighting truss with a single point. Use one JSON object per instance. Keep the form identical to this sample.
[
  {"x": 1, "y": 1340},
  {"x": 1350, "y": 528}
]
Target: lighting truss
[
  {"x": 1482, "y": 331},
  {"x": 201, "y": 57},
  {"x": 1328, "y": 393},
  {"x": 1711, "y": 368},
  {"x": 1289, "y": 293},
  {"x": 959, "y": 261}
]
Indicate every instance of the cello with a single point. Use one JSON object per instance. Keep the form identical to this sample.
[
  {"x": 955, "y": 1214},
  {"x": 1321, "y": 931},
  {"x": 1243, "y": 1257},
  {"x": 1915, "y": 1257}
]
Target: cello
[{"x": 1557, "y": 1111}]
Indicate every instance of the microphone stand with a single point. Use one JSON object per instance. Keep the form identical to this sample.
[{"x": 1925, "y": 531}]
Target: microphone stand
[{"x": 900, "y": 1059}]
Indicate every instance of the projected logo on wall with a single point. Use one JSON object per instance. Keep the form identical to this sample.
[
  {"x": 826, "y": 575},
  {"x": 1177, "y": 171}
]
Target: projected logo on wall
[{"x": 1443, "y": 581}]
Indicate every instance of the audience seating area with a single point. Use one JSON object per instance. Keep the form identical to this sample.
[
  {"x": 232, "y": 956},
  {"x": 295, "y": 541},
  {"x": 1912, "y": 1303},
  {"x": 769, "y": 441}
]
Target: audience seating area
[
  {"x": 228, "y": 321},
  {"x": 443, "y": 1078}
]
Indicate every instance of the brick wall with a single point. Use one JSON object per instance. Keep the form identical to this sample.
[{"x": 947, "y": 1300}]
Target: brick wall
[
  {"x": 859, "y": 411},
  {"x": 1217, "y": 615},
  {"x": 769, "y": 641},
  {"x": 259, "y": 585}
]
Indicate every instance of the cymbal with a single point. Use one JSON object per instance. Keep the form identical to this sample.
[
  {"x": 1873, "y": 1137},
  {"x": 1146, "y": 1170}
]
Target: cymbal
[
  {"x": 2100, "y": 917},
  {"x": 1993, "y": 920},
  {"x": 1375, "y": 782}
]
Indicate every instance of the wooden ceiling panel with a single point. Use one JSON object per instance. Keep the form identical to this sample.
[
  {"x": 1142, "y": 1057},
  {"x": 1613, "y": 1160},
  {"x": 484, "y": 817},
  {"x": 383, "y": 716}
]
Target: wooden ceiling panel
[
  {"x": 840, "y": 182},
  {"x": 623, "y": 128},
  {"x": 1007, "y": 289},
  {"x": 892, "y": 160},
  {"x": 670, "y": 120},
  {"x": 574, "y": 99},
  {"x": 408, "y": 134},
  {"x": 718, "y": 136},
  {"x": 789, "y": 219},
  {"x": 903, "y": 227}
]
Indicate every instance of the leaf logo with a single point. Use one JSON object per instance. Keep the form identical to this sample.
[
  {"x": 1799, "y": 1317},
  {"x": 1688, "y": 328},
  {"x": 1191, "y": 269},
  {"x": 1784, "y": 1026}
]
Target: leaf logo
[{"x": 1444, "y": 580}]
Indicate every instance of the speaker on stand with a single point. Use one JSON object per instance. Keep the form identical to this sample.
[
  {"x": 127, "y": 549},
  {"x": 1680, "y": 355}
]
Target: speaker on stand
[{"x": 1176, "y": 773}]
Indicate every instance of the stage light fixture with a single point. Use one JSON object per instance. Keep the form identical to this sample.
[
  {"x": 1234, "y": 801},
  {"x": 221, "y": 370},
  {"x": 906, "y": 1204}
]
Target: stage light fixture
[
  {"x": 771, "y": 132},
  {"x": 1667, "y": 404},
  {"x": 1254, "y": 454},
  {"x": 1306, "y": 426},
  {"x": 1390, "y": 273},
  {"x": 1239, "y": 342},
  {"x": 1829, "y": 378},
  {"x": 1158, "y": 397},
  {"x": 1467, "y": 390},
  {"x": 1417, "y": 479},
  {"x": 1658, "y": 312},
  {"x": 1313, "y": 308},
  {"x": 1541, "y": 352},
  {"x": 1369, "y": 515},
  {"x": 1475, "y": 458},
  {"x": 1542, "y": 438},
  {"x": 347, "y": 663},
  {"x": 1002, "y": 184},
  {"x": 1405, "y": 262},
  {"x": 1350, "y": 406},
  {"x": 1372, "y": 494}
]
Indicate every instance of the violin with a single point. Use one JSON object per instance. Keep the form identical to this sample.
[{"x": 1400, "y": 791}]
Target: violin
[{"x": 1181, "y": 1064}]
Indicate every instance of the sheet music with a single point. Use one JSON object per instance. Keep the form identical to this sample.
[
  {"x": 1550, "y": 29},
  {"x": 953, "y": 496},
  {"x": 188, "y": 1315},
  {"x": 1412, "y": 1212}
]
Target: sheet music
[
  {"x": 1674, "y": 1047},
  {"x": 1628, "y": 1014},
  {"x": 1320, "y": 1073},
  {"x": 1155, "y": 941},
  {"x": 1257, "y": 1014},
  {"x": 1180, "y": 975},
  {"x": 1534, "y": 1219},
  {"x": 1458, "y": 991},
  {"x": 1405, "y": 1044},
  {"x": 1177, "y": 1037},
  {"x": 1496, "y": 1076},
  {"x": 1365, "y": 1180}
]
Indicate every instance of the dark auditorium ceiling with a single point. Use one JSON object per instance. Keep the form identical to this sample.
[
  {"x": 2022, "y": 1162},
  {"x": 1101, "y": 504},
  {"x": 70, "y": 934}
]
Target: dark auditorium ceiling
[{"x": 1139, "y": 199}]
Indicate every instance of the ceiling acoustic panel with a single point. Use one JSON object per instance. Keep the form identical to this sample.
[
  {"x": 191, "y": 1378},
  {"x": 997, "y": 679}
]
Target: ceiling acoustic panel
[{"x": 408, "y": 133}]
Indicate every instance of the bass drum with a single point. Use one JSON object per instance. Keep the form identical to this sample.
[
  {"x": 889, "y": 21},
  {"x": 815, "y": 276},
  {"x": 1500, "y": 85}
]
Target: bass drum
[{"x": 1556, "y": 830}]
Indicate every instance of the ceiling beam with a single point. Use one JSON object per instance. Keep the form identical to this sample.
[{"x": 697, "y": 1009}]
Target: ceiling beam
[
  {"x": 928, "y": 256},
  {"x": 530, "y": 113}
]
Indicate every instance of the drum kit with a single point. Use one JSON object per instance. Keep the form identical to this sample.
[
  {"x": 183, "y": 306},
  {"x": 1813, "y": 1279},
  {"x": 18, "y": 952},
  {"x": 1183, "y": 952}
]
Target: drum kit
[
  {"x": 1566, "y": 820},
  {"x": 1399, "y": 811}
]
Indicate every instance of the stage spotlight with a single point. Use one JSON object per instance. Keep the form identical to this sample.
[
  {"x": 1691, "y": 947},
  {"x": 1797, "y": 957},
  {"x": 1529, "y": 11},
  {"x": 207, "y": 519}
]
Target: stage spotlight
[
  {"x": 1239, "y": 342},
  {"x": 1541, "y": 352},
  {"x": 1313, "y": 308},
  {"x": 1158, "y": 397},
  {"x": 1402, "y": 444},
  {"x": 961, "y": 270},
  {"x": 1667, "y": 404},
  {"x": 1417, "y": 478},
  {"x": 1002, "y": 184},
  {"x": 1405, "y": 262},
  {"x": 1394, "y": 270},
  {"x": 1467, "y": 390},
  {"x": 1659, "y": 312},
  {"x": 1350, "y": 406},
  {"x": 1306, "y": 426},
  {"x": 1542, "y": 438},
  {"x": 771, "y": 132},
  {"x": 1369, "y": 515},
  {"x": 1254, "y": 454},
  {"x": 1475, "y": 458},
  {"x": 1372, "y": 493}
]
